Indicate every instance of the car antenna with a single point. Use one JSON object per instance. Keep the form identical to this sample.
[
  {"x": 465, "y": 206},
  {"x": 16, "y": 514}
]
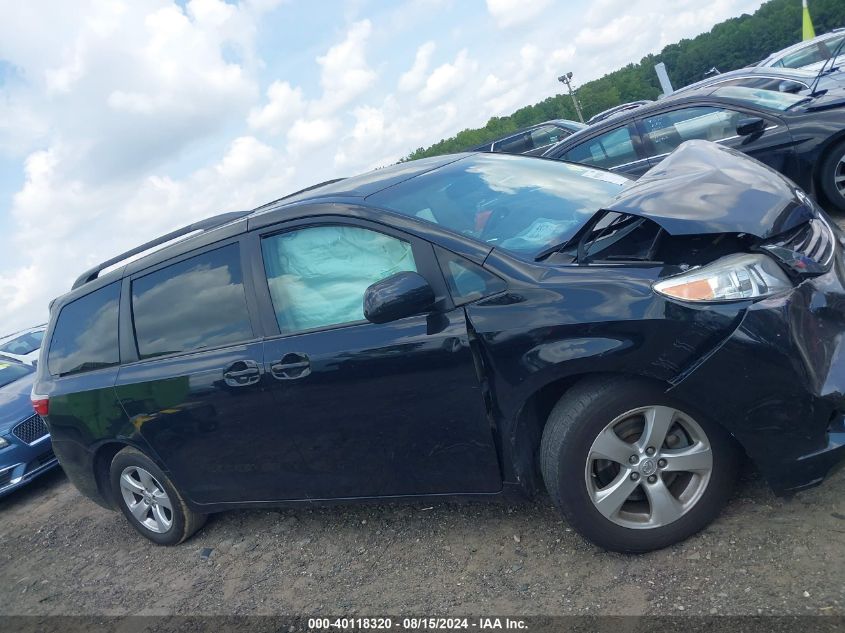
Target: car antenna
[{"x": 832, "y": 59}]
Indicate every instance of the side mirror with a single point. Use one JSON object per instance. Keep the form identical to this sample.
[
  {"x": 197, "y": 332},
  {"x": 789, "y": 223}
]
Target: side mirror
[
  {"x": 750, "y": 126},
  {"x": 398, "y": 296}
]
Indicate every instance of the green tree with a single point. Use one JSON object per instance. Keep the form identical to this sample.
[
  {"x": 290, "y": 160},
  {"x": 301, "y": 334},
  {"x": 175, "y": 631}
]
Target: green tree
[{"x": 731, "y": 44}]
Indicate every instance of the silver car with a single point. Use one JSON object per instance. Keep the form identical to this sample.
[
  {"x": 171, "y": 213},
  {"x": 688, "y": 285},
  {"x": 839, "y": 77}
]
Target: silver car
[{"x": 810, "y": 54}]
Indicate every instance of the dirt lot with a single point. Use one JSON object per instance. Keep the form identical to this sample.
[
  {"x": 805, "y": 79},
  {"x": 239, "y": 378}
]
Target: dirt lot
[{"x": 61, "y": 554}]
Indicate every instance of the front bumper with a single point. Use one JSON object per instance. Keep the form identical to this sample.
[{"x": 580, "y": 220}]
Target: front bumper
[
  {"x": 20, "y": 463},
  {"x": 778, "y": 382}
]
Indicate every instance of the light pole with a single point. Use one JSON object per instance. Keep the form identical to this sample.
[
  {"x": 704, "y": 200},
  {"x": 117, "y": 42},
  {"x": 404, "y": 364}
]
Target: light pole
[{"x": 567, "y": 79}]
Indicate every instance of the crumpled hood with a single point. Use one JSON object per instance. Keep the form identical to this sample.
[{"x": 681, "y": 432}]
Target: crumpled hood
[
  {"x": 15, "y": 403},
  {"x": 704, "y": 187}
]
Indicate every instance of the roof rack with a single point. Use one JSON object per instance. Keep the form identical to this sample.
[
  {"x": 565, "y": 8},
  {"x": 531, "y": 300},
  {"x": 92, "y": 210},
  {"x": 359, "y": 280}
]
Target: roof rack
[{"x": 202, "y": 225}]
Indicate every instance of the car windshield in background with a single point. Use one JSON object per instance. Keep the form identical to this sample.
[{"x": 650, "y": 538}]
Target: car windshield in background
[
  {"x": 769, "y": 99},
  {"x": 11, "y": 371},
  {"x": 520, "y": 204},
  {"x": 23, "y": 344}
]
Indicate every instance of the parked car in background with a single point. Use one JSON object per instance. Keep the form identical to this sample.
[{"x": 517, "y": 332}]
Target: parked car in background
[
  {"x": 532, "y": 140},
  {"x": 809, "y": 54},
  {"x": 460, "y": 325},
  {"x": 624, "y": 107},
  {"x": 24, "y": 344},
  {"x": 801, "y": 137},
  {"x": 25, "y": 450},
  {"x": 792, "y": 80}
]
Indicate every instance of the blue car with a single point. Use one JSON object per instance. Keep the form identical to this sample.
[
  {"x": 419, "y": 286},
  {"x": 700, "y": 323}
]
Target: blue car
[{"x": 25, "y": 448}]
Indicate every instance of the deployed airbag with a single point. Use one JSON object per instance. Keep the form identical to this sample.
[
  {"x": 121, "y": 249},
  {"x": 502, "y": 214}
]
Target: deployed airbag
[{"x": 318, "y": 275}]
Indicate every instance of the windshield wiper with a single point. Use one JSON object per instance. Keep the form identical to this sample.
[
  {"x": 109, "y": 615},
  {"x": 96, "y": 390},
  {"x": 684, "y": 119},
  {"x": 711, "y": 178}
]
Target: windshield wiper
[
  {"x": 551, "y": 250},
  {"x": 803, "y": 101},
  {"x": 832, "y": 59}
]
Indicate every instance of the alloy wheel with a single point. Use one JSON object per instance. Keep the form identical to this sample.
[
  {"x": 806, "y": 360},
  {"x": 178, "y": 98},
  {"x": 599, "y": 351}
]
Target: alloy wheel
[
  {"x": 839, "y": 176},
  {"x": 648, "y": 467},
  {"x": 146, "y": 499}
]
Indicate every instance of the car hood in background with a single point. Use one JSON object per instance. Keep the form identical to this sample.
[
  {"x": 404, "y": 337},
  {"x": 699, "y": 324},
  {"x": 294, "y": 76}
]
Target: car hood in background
[
  {"x": 15, "y": 402},
  {"x": 704, "y": 187},
  {"x": 833, "y": 98}
]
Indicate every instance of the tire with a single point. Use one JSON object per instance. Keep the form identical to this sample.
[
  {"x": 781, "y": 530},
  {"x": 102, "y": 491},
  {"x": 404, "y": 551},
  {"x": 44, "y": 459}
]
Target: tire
[
  {"x": 833, "y": 167},
  {"x": 165, "y": 518},
  {"x": 575, "y": 439}
]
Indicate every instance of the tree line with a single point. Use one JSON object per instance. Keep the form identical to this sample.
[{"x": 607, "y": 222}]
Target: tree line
[{"x": 729, "y": 45}]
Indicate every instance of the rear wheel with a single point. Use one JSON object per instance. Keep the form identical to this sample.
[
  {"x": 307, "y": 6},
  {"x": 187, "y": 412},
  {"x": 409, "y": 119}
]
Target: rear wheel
[
  {"x": 633, "y": 470},
  {"x": 149, "y": 500},
  {"x": 833, "y": 176}
]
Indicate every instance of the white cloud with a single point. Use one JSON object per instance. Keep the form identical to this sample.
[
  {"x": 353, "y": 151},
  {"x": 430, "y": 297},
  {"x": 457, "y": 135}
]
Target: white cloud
[
  {"x": 285, "y": 104},
  {"x": 509, "y": 13},
  {"x": 447, "y": 78},
  {"x": 344, "y": 71},
  {"x": 414, "y": 78},
  {"x": 310, "y": 133}
]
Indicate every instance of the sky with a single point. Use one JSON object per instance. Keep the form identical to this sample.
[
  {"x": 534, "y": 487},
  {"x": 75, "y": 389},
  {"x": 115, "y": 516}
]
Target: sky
[{"x": 123, "y": 119}]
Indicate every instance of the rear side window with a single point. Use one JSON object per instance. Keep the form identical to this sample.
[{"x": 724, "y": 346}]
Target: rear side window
[
  {"x": 514, "y": 144},
  {"x": 85, "y": 335},
  {"x": 194, "y": 304},
  {"x": 23, "y": 344},
  {"x": 547, "y": 135}
]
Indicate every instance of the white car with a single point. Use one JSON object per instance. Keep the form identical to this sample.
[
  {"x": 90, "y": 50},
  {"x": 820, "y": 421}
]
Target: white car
[
  {"x": 810, "y": 54},
  {"x": 23, "y": 345}
]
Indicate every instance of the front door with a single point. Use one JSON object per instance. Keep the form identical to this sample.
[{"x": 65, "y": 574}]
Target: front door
[{"x": 379, "y": 409}]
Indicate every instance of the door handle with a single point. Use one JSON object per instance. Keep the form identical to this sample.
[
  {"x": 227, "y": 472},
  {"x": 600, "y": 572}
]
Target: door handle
[
  {"x": 242, "y": 373},
  {"x": 292, "y": 366}
]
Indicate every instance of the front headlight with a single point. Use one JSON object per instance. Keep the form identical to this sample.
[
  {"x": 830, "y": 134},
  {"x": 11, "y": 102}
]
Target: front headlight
[
  {"x": 730, "y": 278},
  {"x": 3, "y": 442}
]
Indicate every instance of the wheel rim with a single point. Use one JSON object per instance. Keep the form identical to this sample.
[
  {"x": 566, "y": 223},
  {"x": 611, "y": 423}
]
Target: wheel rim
[
  {"x": 839, "y": 176},
  {"x": 146, "y": 499},
  {"x": 648, "y": 467}
]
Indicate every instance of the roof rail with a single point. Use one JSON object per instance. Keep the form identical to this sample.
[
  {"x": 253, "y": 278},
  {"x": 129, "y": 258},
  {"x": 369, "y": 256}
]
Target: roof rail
[
  {"x": 202, "y": 225},
  {"x": 296, "y": 193}
]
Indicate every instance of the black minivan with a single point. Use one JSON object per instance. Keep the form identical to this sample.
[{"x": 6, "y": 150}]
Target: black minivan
[{"x": 464, "y": 325}]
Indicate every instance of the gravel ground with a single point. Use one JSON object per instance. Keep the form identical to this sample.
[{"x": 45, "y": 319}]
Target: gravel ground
[{"x": 62, "y": 554}]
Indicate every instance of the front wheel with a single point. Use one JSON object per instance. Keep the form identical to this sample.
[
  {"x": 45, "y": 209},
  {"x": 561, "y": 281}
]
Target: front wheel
[
  {"x": 832, "y": 176},
  {"x": 631, "y": 469},
  {"x": 149, "y": 501}
]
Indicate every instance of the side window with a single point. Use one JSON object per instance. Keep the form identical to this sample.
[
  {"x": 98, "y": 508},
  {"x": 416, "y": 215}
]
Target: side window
[
  {"x": 85, "y": 335},
  {"x": 767, "y": 83},
  {"x": 193, "y": 304},
  {"x": 514, "y": 144},
  {"x": 547, "y": 135},
  {"x": 467, "y": 281},
  {"x": 23, "y": 344},
  {"x": 610, "y": 149},
  {"x": 809, "y": 55},
  {"x": 318, "y": 275},
  {"x": 668, "y": 130},
  {"x": 832, "y": 44}
]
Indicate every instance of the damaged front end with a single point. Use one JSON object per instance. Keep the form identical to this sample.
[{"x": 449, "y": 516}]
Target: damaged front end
[{"x": 777, "y": 382}]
